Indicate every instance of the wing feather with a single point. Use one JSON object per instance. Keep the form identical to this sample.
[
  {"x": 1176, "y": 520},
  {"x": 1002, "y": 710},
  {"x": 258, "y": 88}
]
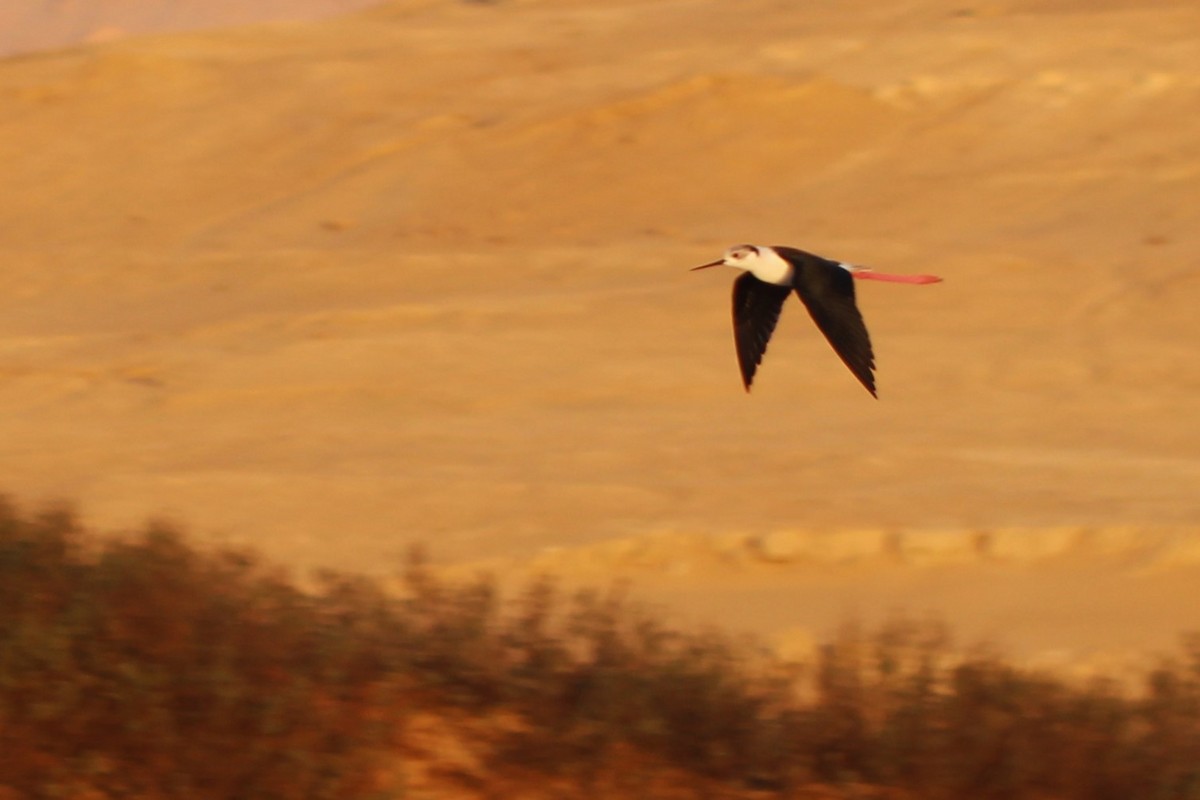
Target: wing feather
[
  {"x": 756, "y": 307},
  {"x": 827, "y": 291}
]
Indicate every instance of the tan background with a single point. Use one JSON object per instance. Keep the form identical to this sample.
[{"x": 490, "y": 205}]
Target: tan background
[{"x": 420, "y": 274}]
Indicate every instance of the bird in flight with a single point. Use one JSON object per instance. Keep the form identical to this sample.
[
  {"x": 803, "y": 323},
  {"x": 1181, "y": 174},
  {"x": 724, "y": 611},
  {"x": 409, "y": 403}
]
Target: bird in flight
[{"x": 826, "y": 287}]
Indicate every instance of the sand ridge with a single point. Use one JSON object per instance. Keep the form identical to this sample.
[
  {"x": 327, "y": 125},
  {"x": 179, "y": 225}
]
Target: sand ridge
[{"x": 29, "y": 26}]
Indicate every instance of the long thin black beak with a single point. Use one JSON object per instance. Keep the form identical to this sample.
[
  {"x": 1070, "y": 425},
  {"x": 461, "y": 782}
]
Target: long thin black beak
[{"x": 706, "y": 266}]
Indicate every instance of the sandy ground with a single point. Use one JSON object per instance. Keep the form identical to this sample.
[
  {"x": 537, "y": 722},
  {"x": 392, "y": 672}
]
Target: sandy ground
[
  {"x": 419, "y": 274},
  {"x": 28, "y": 26}
]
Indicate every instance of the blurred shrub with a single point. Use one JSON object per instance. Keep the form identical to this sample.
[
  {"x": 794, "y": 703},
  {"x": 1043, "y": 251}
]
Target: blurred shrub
[
  {"x": 148, "y": 669},
  {"x": 143, "y": 669}
]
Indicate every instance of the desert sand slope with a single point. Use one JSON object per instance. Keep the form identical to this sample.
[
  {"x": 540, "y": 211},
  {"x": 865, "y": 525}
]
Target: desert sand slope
[
  {"x": 27, "y": 26},
  {"x": 419, "y": 274}
]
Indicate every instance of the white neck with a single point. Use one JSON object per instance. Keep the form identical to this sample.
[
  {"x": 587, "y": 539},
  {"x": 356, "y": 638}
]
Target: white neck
[{"x": 770, "y": 267}]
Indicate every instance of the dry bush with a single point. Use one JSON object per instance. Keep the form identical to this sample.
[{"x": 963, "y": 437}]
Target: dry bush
[
  {"x": 144, "y": 670},
  {"x": 147, "y": 669}
]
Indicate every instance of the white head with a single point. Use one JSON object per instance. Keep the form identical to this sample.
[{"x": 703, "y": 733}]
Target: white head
[
  {"x": 740, "y": 256},
  {"x": 763, "y": 262}
]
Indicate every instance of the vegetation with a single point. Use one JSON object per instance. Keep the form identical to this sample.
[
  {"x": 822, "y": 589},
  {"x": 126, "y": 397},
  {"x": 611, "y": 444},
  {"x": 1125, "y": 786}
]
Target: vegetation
[{"x": 148, "y": 669}]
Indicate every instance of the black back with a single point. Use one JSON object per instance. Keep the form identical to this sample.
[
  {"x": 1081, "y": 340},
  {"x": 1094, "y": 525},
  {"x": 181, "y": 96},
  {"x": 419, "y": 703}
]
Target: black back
[{"x": 827, "y": 291}]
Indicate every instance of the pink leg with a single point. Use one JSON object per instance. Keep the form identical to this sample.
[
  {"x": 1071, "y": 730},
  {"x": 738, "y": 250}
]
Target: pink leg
[{"x": 869, "y": 274}]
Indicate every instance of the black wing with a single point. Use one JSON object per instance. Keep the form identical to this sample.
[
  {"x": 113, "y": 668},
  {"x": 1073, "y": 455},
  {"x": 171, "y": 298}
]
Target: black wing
[
  {"x": 828, "y": 293},
  {"x": 756, "y": 307}
]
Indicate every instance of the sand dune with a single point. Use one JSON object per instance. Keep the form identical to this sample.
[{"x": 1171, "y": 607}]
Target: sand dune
[
  {"x": 419, "y": 274},
  {"x": 27, "y": 26}
]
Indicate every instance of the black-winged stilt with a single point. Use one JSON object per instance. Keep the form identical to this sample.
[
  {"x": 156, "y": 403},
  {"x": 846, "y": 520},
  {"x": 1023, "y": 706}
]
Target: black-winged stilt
[{"x": 826, "y": 288}]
